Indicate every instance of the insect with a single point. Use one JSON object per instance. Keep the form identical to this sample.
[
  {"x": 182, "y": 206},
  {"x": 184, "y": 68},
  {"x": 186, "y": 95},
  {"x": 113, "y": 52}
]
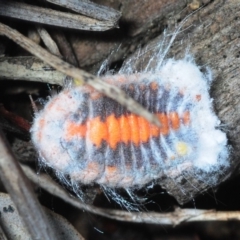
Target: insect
[{"x": 93, "y": 139}]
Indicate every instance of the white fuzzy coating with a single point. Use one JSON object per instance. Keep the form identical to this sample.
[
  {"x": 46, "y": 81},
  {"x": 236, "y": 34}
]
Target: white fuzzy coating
[
  {"x": 46, "y": 138},
  {"x": 212, "y": 151},
  {"x": 208, "y": 153}
]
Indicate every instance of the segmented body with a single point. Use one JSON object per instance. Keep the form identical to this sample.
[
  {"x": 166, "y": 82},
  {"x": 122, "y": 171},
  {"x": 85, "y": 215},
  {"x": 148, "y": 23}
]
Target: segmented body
[{"x": 94, "y": 139}]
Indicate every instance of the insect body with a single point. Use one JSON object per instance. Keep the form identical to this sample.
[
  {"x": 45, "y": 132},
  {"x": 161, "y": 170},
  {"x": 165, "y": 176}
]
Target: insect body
[{"x": 93, "y": 139}]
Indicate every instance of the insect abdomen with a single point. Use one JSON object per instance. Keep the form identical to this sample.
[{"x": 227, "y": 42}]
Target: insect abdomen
[
  {"x": 93, "y": 139},
  {"x": 103, "y": 142}
]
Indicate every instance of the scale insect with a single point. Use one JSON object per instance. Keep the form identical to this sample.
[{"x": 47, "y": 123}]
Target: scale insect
[{"x": 93, "y": 139}]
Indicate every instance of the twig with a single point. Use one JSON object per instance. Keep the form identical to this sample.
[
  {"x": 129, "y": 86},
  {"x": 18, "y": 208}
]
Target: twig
[
  {"x": 14, "y": 227},
  {"x": 77, "y": 74},
  {"x": 10, "y": 127},
  {"x": 90, "y": 9},
  {"x": 14, "y": 118},
  {"x": 48, "y": 41},
  {"x": 52, "y": 17},
  {"x": 2, "y": 234},
  {"x": 22, "y": 195},
  {"x": 23, "y": 151},
  {"x": 29, "y": 69},
  {"x": 33, "y": 35},
  {"x": 65, "y": 47},
  {"x": 172, "y": 218}
]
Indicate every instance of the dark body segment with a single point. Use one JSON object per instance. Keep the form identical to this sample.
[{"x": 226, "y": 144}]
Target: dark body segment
[{"x": 131, "y": 150}]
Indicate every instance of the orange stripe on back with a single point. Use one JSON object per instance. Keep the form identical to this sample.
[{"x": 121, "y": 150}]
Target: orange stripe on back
[
  {"x": 125, "y": 126},
  {"x": 164, "y": 129},
  {"x": 134, "y": 129},
  {"x": 74, "y": 129},
  {"x": 174, "y": 120},
  {"x": 154, "y": 130},
  {"x": 126, "y": 129},
  {"x": 144, "y": 130},
  {"x": 97, "y": 131},
  {"x": 114, "y": 131}
]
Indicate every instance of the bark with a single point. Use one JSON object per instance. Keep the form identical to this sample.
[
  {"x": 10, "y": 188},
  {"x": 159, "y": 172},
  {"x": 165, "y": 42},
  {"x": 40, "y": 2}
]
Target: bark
[
  {"x": 56, "y": 18},
  {"x": 141, "y": 21}
]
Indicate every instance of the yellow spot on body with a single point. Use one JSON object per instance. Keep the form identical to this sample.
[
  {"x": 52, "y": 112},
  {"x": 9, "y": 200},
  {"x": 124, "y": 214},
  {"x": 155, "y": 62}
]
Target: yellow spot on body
[
  {"x": 78, "y": 82},
  {"x": 182, "y": 148}
]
